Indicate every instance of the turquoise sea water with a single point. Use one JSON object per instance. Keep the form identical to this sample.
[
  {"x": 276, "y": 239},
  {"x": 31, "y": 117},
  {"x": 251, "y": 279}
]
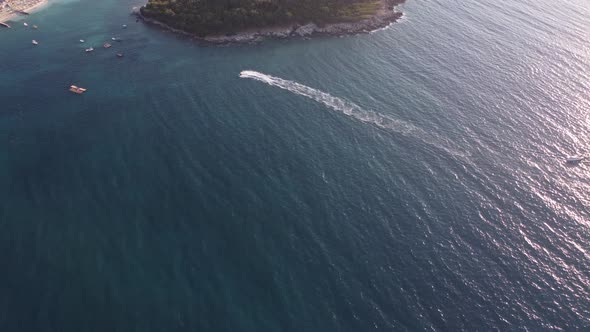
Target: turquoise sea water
[{"x": 408, "y": 179}]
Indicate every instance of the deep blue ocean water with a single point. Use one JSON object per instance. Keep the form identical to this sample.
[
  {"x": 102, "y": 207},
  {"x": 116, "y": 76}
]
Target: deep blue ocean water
[{"x": 408, "y": 179}]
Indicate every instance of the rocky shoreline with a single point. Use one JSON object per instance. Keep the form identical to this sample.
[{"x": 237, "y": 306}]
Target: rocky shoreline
[{"x": 382, "y": 18}]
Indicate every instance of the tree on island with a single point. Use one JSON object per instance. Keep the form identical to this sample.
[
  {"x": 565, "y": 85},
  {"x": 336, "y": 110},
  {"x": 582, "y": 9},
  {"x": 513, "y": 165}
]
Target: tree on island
[{"x": 207, "y": 17}]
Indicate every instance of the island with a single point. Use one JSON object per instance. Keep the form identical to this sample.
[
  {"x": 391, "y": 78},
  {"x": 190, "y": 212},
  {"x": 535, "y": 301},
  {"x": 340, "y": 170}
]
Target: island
[{"x": 223, "y": 21}]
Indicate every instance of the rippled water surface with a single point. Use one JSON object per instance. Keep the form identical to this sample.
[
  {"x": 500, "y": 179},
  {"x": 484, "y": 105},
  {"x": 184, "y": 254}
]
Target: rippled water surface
[{"x": 408, "y": 179}]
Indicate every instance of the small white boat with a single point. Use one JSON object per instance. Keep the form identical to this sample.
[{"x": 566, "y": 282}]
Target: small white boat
[
  {"x": 26, "y": 24},
  {"x": 124, "y": 26},
  {"x": 35, "y": 42},
  {"x": 89, "y": 49},
  {"x": 35, "y": 27},
  {"x": 114, "y": 39},
  {"x": 77, "y": 89},
  {"x": 81, "y": 40},
  {"x": 575, "y": 159}
]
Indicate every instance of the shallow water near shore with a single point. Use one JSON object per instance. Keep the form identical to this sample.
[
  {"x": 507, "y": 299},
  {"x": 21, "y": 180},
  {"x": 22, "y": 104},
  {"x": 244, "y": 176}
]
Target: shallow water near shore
[{"x": 408, "y": 179}]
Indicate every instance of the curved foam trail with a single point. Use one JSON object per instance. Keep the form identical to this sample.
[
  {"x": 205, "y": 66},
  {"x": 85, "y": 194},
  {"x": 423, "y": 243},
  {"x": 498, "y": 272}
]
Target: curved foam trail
[{"x": 350, "y": 109}]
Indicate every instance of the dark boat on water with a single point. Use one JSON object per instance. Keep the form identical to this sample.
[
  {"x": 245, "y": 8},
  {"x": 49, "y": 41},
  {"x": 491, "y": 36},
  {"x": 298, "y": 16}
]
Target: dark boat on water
[{"x": 574, "y": 160}]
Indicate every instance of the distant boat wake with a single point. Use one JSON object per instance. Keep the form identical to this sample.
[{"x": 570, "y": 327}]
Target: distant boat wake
[{"x": 349, "y": 108}]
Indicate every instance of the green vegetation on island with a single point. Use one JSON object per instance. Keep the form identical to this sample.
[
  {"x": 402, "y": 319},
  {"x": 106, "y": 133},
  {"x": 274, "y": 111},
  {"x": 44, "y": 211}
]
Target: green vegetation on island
[{"x": 208, "y": 17}]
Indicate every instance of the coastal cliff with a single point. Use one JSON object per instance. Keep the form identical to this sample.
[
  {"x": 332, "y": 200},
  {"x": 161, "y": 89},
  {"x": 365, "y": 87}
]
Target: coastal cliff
[{"x": 338, "y": 17}]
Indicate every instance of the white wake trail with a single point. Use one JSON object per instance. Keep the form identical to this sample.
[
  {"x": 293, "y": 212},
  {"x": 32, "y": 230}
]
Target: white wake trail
[
  {"x": 350, "y": 109},
  {"x": 332, "y": 102}
]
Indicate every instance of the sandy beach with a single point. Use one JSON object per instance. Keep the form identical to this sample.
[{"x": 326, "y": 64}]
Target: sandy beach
[{"x": 8, "y": 8}]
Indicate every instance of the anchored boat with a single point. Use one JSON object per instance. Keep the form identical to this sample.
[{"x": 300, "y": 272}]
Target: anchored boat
[{"x": 77, "y": 89}]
